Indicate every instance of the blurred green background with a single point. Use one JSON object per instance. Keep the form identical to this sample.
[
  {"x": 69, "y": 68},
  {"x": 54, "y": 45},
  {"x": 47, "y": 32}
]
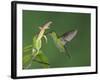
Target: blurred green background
[{"x": 79, "y": 47}]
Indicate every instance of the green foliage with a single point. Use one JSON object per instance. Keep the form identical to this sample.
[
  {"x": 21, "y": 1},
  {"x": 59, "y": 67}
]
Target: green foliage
[
  {"x": 42, "y": 58},
  {"x": 38, "y": 44},
  {"x": 37, "y": 54},
  {"x": 45, "y": 38},
  {"x": 26, "y": 60}
]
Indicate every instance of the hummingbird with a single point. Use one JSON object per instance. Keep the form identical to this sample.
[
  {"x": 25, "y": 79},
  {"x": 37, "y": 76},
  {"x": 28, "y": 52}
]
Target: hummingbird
[{"x": 61, "y": 41}]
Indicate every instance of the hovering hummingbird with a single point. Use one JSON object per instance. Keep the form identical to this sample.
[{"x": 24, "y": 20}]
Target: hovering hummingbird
[{"x": 62, "y": 41}]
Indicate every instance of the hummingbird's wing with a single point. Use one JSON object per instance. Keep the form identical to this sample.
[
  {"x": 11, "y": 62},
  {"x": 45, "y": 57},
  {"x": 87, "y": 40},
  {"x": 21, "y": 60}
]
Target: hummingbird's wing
[{"x": 68, "y": 36}]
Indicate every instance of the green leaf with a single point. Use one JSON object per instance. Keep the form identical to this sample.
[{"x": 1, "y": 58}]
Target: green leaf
[
  {"x": 26, "y": 59},
  {"x": 36, "y": 43},
  {"x": 45, "y": 38},
  {"x": 41, "y": 58},
  {"x": 27, "y": 50},
  {"x": 27, "y": 47}
]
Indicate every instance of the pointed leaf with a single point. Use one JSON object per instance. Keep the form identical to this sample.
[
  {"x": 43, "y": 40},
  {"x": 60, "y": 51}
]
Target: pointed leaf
[
  {"x": 26, "y": 59},
  {"x": 45, "y": 38},
  {"x": 36, "y": 43},
  {"x": 41, "y": 58}
]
